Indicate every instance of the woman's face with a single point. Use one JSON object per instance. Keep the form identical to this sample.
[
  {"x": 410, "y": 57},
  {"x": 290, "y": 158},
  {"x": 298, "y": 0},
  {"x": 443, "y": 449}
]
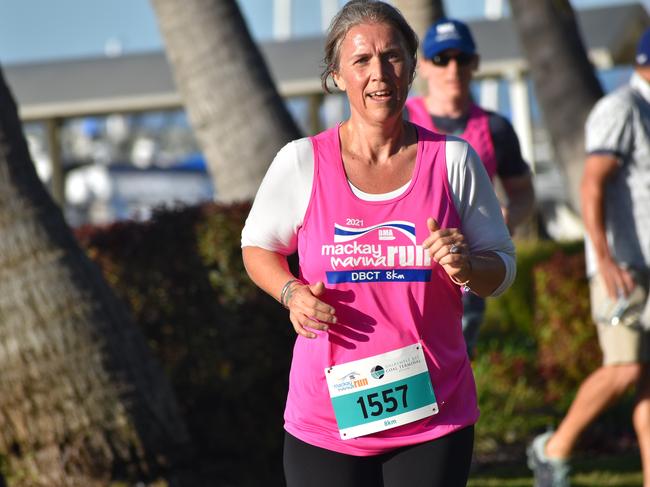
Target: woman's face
[{"x": 374, "y": 70}]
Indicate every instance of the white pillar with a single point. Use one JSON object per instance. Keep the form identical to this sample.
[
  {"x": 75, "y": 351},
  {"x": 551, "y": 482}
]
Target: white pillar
[
  {"x": 53, "y": 126},
  {"x": 521, "y": 121},
  {"x": 493, "y": 9},
  {"x": 315, "y": 104},
  {"x": 334, "y": 109},
  {"x": 328, "y": 9},
  {"x": 281, "y": 20},
  {"x": 489, "y": 93}
]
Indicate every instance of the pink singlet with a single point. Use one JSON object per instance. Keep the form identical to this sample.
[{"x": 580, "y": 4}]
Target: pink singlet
[
  {"x": 477, "y": 132},
  {"x": 387, "y": 294}
]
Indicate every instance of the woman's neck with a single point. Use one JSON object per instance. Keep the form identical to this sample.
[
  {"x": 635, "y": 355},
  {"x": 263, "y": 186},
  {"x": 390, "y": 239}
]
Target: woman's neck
[{"x": 376, "y": 144}]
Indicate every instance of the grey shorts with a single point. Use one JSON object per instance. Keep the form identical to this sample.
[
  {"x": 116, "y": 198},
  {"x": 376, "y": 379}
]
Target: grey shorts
[{"x": 624, "y": 343}]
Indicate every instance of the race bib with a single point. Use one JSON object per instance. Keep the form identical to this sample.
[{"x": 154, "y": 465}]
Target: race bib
[{"x": 381, "y": 392}]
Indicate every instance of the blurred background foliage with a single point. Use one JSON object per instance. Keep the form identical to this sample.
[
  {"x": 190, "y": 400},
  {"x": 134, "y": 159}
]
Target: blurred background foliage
[
  {"x": 537, "y": 344},
  {"x": 223, "y": 343},
  {"x": 226, "y": 346}
]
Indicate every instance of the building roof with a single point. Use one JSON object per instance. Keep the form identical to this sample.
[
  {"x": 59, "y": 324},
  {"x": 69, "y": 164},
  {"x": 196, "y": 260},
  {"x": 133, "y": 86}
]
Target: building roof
[
  {"x": 138, "y": 82},
  {"x": 610, "y": 35}
]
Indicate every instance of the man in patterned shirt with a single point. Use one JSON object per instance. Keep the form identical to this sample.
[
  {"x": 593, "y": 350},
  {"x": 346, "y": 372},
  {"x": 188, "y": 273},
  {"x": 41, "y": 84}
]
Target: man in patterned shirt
[{"x": 615, "y": 195}]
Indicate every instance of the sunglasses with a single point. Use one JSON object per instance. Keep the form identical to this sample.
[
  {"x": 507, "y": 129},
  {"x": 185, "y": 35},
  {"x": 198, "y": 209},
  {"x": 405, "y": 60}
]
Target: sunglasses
[{"x": 462, "y": 59}]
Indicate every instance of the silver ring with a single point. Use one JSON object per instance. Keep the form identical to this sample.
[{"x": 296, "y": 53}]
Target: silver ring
[{"x": 454, "y": 249}]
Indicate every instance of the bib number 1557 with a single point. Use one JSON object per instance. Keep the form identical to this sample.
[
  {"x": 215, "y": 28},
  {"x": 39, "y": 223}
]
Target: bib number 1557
[
  {"x": 390, "y": 400},
  {"x": 392, "y": 389}
]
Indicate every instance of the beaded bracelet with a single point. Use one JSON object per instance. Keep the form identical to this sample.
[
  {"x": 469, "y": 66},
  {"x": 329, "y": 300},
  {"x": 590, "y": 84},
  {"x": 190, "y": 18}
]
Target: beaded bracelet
[
  {"x": 464, "y": 284},
  {"x": 285, "y": 289},
  {"x": 457, "y": 282}
]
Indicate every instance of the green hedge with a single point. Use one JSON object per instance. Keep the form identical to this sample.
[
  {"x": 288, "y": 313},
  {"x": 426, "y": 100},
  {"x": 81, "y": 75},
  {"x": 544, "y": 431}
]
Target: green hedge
[
  {"x": 537, "y": 345},
  {"x": 524, "y": 386},
  {"x": 226, "y": 345}
]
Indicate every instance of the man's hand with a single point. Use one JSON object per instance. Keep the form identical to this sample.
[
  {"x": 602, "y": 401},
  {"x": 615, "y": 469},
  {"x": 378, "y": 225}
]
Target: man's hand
[{"x": 618, "y": 281}]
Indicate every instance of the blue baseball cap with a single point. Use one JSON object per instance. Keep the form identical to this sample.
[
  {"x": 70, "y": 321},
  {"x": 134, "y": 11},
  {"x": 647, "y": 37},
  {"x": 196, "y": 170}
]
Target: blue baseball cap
[
  {"x": 643, "y": 50},
  {"x": 447, "y": 34}
]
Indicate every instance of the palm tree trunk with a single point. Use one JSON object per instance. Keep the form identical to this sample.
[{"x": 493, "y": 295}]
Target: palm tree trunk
[
  {"x": 565, "y": 82},
  {"x": 81, "y": 399},
  {"x": 237, "y": 114},
  {"x": 420, "y": 14}
]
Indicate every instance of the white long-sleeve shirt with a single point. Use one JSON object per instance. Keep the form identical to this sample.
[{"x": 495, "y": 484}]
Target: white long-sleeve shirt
[{"x": 282, "y": 199}]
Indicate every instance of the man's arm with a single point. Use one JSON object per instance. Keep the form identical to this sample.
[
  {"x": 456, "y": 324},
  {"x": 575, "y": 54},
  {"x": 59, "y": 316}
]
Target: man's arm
[
  {"x": 521, "y": 200},
  {"x": 598, "y": 169},
  {"x": 513, "y": 172}
]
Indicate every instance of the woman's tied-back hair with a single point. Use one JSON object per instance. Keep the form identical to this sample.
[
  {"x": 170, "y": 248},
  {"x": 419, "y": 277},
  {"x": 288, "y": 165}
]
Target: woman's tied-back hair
[{"x": 358, "y": 12}]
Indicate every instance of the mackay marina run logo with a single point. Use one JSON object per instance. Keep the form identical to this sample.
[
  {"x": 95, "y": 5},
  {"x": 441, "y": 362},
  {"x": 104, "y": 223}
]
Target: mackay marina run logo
[
  {"x": 353, "y": 380},
  {"x": 372, "y": 254}
]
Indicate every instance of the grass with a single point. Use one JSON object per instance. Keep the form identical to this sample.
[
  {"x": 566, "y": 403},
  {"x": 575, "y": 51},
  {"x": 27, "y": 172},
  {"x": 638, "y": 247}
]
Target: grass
[
  {"x": 602, "y": 471},
  {"x": 623, "y": 470}
]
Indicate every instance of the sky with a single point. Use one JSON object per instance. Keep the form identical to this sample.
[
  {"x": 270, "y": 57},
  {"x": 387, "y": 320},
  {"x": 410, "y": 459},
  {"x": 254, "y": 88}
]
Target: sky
[{"x": 35, "y": 30}]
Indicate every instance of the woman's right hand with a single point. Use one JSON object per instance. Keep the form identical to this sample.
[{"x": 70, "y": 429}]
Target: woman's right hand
[{"x": 306, "y": 310}]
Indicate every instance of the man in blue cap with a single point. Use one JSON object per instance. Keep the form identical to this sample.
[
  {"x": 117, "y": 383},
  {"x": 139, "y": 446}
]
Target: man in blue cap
[
  {"x": 615, "y": 195},
  {"x": 449, "y": 59}
]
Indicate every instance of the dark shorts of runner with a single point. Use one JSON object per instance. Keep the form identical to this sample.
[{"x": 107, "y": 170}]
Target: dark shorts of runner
[{"x": 443, "y": 462}]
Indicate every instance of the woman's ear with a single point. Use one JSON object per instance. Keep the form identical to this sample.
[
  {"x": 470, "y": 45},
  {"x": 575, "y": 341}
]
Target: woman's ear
[{"x": 338, "y": 81}]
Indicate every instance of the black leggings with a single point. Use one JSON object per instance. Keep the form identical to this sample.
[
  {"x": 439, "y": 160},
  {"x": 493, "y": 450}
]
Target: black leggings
[{"x": 443, "y": 462}]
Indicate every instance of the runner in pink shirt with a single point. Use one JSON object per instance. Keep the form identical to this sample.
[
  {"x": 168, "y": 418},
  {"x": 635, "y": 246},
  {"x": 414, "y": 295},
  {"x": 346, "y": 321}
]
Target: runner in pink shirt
[
  {"x": 449, "y": 60},
  {"x": 390, "y": 221}
]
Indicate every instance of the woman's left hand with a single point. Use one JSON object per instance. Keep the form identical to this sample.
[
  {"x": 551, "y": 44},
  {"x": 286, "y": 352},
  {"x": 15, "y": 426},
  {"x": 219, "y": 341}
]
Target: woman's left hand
[{"x": 448, "y": 248}]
